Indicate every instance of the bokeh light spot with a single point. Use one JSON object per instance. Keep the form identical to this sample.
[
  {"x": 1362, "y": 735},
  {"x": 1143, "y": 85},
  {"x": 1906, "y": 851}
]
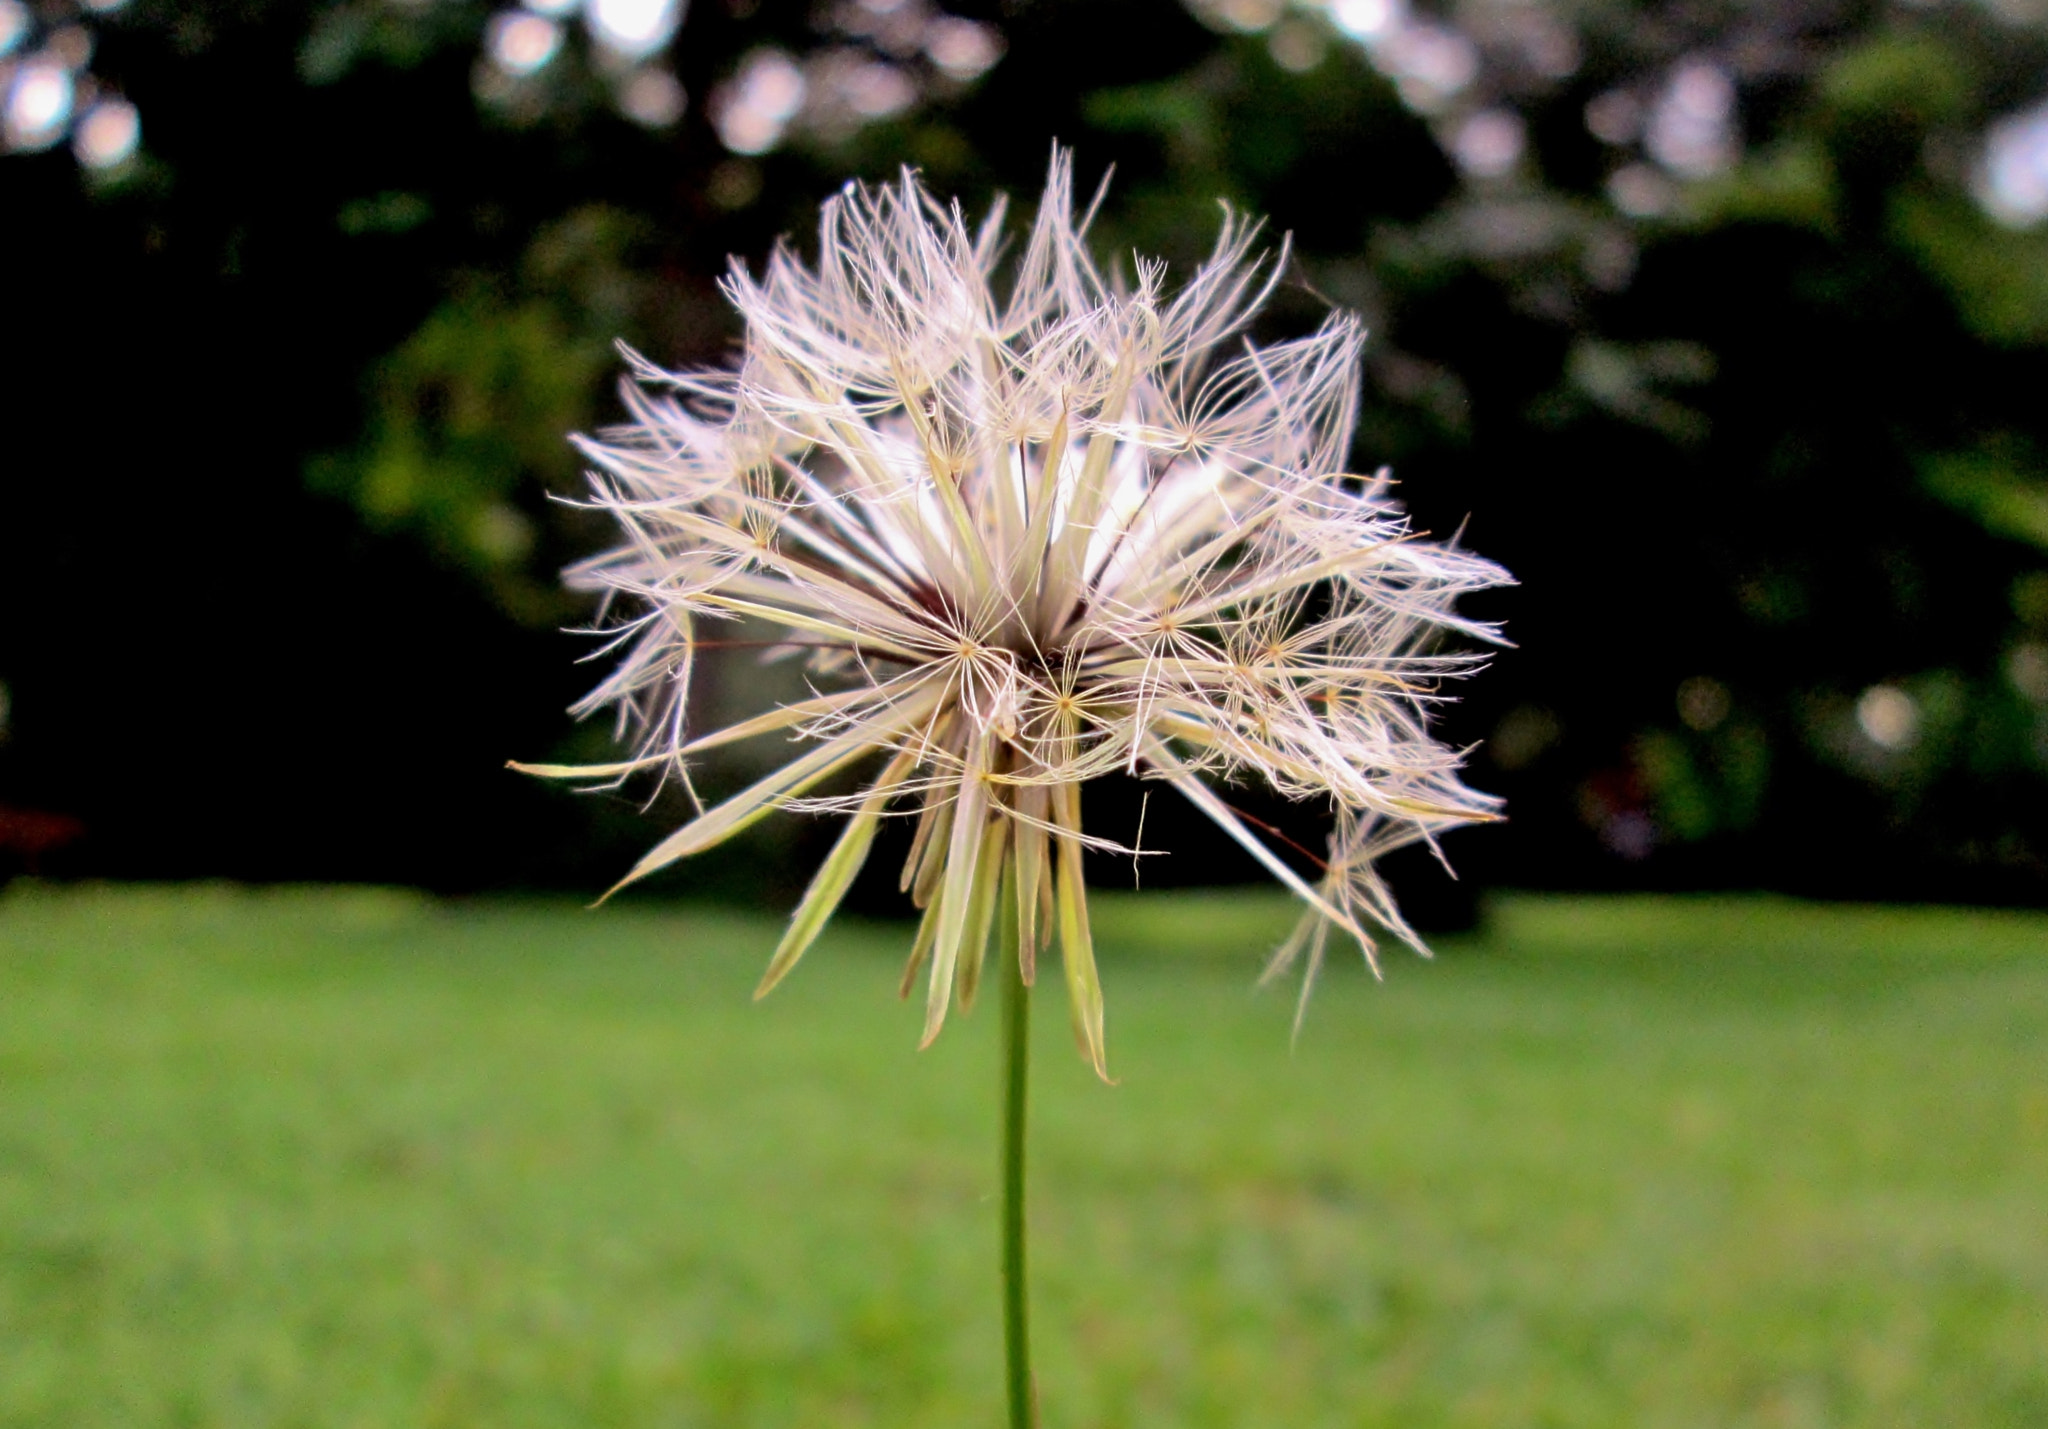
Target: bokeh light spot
[
  {"x": 751, "y": 110},
  {"x": 1429, "y": 64},
  {"x": 71, "y": 46},
  {"x": 1703, "y": 703},
  {"x": 2027, "y": 667},
  {"x": 1692, "y": 129},
  {"x": 15, "y": 22},
  {"x": 1640, "y": 191},
  {"x": 876, "y": 90},
  {"x": 1297, "y": 46},
  {"x": 962, "y": 49},
  {"x": 2012, "y": 181},
  {"x": 1250, "y": 16},
  {"x": 1368, "y": 19},
  {"x": 108, "y": 135},
  {"x": 634, "y": 28},
  {"x": 654, "y": 98},
  {"x": 522, "y": 43},
  {"x": 734, "y": 184},
  {"x": 38, "y": 104},
  {"x": 1614, "y": 117},
  {"x": 1489, "y": 144},
  {"x": 1888, "y": 717}
]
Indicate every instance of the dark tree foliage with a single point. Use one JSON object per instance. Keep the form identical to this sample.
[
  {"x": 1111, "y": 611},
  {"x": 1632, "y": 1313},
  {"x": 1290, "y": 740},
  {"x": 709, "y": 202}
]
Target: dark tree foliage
[{"x": 1762, "y": 438}]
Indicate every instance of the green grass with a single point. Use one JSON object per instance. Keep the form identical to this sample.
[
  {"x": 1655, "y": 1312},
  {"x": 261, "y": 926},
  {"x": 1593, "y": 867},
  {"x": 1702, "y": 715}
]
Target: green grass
[{"x": 335, "y": 1158}]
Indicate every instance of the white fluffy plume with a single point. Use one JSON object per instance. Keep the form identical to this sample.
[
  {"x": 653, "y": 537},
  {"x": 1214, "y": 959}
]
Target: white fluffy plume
[{"x": 1028, "y": 530}]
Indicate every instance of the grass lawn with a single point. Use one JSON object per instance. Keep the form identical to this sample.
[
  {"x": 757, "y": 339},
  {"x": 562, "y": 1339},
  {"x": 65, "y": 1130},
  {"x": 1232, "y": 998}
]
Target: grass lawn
[{"x": 349, "y": 1158}]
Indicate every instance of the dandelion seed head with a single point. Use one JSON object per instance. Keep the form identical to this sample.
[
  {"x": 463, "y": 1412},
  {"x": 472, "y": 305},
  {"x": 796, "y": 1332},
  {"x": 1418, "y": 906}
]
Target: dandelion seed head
[{"x": 1029, "y": 526}]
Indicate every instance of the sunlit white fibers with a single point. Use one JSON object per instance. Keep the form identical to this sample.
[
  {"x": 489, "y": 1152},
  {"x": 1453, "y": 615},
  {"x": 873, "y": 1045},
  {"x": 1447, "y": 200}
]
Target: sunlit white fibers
[{"x": 1026, "y": 529}]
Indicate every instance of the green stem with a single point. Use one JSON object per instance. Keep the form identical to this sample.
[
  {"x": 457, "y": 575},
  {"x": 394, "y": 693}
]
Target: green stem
[{"x": 1016, "y": 1082}]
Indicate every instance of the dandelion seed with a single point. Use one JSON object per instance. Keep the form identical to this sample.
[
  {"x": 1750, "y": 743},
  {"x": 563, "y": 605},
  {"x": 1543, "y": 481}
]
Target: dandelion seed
[{"x": 1027, "y": 533}]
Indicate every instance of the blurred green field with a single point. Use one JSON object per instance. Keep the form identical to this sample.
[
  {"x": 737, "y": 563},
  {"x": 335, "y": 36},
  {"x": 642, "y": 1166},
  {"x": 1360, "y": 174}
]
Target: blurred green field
[{"x": 347, "y": 1158}]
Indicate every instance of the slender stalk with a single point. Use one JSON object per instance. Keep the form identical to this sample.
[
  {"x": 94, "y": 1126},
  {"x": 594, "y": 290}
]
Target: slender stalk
[{"x": 1016, "y": 1084}]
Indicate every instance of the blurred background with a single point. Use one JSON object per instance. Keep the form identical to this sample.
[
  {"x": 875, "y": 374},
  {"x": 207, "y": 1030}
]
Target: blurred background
[{"x": 1723, "y": 325}]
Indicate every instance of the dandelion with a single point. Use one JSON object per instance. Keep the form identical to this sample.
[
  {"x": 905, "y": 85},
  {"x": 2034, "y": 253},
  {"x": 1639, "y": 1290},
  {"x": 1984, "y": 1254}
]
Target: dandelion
[{"x": 1025, "y": 534}]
